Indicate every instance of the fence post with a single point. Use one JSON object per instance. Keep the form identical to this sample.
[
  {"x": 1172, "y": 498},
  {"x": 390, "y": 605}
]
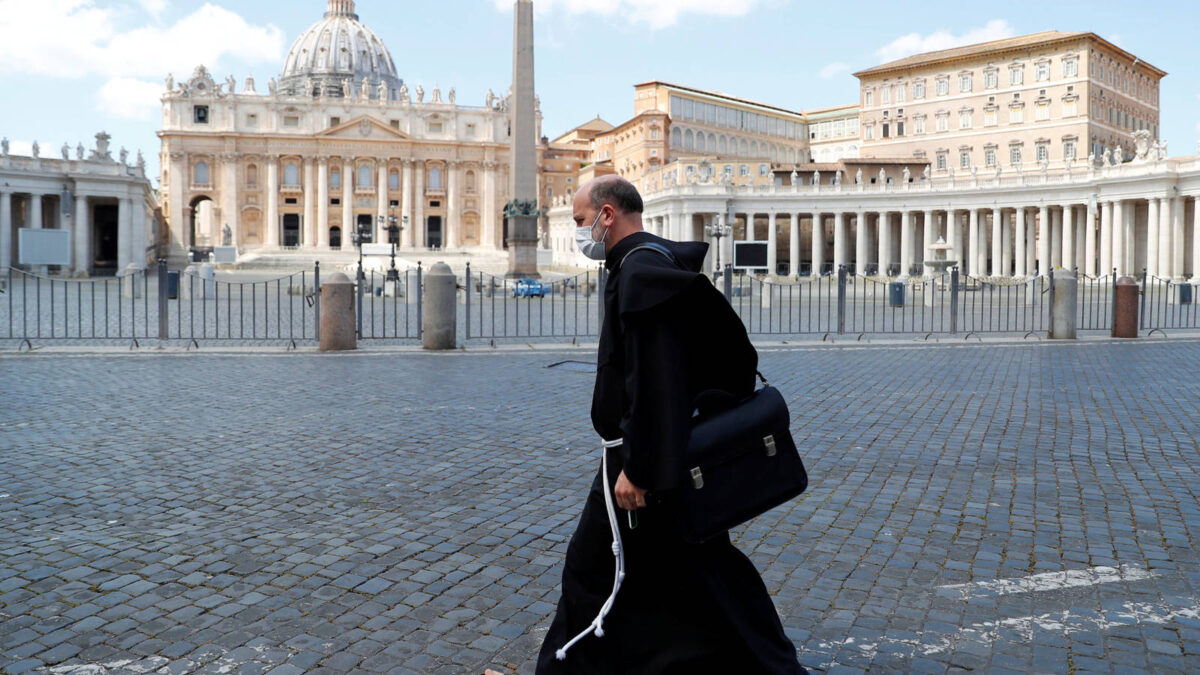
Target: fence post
[
  {"x": 954, "y": 300},
  {"x": 1050, "y": 314},
  {"x": 468, "y": 300},
  {"x": 841, "y": 300},
  {"x": 1142, "y": 312},
  {"x": 728, "y": 282},
  {"x": 420, "y": 303},
  {"x": 317, "y": 299},
  {"x": 162, "y": 299}
]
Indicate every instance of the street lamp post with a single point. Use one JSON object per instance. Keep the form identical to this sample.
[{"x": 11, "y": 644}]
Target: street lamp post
[
  {"x": 717, "y": 231},
  {"x": 393, "y": 230}
]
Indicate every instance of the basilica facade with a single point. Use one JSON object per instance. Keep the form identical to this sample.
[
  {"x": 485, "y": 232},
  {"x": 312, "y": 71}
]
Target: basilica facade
[{"x": 337, "y": 145}]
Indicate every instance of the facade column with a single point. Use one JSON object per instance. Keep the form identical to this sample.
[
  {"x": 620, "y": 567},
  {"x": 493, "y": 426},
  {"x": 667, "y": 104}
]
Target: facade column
[
  {"x": 381, "y": 200},
  {"x": 1178, "y": 238},
  {"x": 997, "y": 242},
  {"x": 794, "y": 245},
  {"x": 229, "y": 198},
  {"x": 750, "y": 227},
  {"x": 406, "y": 204},
  {"x": 1152, "y": 240},
  {"x": 1043, "y": 235},
  {"x": 930, "y": 235},
  {"x": 322, "y": 238},
  {"x": 35, "y": 212},
  {"x": 973, "y": 241},
  {"x": 124, "y": 234},
  {"x": 452, "y": 217},
  {"x": 348, "y": 224},
  {"x": 952, "y": 236},
  {"x": 138, "y": 239},
  {"x": 271, "y": 223},
  {"x": 1021, "y": 228},
  {"x": 906, "y": 243},
  {"x": 1164, "y": 238},
  {"x": 1068, "y": 237},
  {"x": 1106, "y": 238},
  {"x": 883, "y": 227},
  {"x": 981, "y": 255},
  {"x": 772, "y": 240},
  {"x": 839, "y": 240},
  {"x": 1118, "y": 238},
  {"x": 6, "y": 228},
  {"x": 1007, "y": 239},
  {"x": 1056, "y": 238},
  {"x": 1195, "y": 239},
  {"x": 177, "y": 178},
  {"x": 818, "y": 244},
  {"x": 310, "y": 205},
  {"x": 82, "y": 249},
  {"x": 860, "y": 242},
  {"x": 1089, "y": 240},
  {"x": 419, "y": 205}
]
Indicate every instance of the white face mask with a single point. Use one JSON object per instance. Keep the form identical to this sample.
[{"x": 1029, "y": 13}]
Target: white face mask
[{"x": 587, "y": 245}]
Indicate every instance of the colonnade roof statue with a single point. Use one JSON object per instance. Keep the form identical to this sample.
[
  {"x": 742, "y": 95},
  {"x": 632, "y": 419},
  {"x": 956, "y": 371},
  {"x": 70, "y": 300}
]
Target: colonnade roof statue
[{"x": 338, "y": 52}]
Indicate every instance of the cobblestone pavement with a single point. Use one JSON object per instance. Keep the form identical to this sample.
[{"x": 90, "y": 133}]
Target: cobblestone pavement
[{"x": 1001, "y": 507}]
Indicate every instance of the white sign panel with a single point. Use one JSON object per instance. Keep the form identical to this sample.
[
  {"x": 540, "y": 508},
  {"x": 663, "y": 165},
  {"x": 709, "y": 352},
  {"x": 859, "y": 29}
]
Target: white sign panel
[
  {"x": 376, "y": 249},
  {"x": 225, "y": 255},
  {"x": 44, "y": 247}
]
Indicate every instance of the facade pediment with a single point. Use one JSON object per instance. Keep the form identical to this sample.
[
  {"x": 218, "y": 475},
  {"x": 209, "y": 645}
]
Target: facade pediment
[{"x": 364, "y": 127}]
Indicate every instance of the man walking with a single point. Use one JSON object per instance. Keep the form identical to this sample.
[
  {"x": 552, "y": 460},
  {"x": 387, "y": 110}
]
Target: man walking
[{"x": 667, "y": 337}]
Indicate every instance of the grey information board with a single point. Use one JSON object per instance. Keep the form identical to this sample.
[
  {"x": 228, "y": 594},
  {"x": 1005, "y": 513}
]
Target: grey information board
[{"x": 44, "y": 247}]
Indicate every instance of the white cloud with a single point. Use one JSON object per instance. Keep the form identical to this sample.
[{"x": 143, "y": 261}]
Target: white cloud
[
  {"x": 834, "y": 69},
  {"x": 654, "y": 13},
  {"x": 130, "y": 98},
  {"x": 915, "y": 43},
  {"x": 21, "y": 148},
  {"x": 76, "y": 38}
]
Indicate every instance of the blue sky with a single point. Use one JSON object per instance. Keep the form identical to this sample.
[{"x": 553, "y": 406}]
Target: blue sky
[{"x": 70, "y": 68}]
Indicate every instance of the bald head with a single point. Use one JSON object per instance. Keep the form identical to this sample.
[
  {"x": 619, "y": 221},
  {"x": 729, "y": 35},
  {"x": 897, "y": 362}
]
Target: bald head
[
  {"x": 611, "y": 203},
  {"x": 614, "y": 190}
]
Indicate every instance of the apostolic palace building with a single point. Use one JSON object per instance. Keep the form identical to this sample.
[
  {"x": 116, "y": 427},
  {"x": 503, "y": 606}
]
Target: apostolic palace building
[{"x": 339, "y": 141}]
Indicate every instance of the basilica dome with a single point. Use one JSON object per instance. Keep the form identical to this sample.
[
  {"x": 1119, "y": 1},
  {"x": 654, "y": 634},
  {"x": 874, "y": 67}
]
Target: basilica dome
[{"x": 336, "y": 54}]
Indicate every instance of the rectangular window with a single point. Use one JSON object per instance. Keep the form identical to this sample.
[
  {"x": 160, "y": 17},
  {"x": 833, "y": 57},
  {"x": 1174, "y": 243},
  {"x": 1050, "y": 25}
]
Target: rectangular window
[
  {"x": 964, "y": 120},
  {"x": 1016, "y": 115},
  {"x": 943, "y": 86},
  {"x": 989, "y": 158},
  {"x": 1071, "y": 68},
  {"x": 869, "y": 132},
  {"x": 395, "y": 124},
  {"x": 1014, "y": 154},
  {"x": 1016, "y": 75},
  {"x": 900, "y": 93},
  {"x": 764, "y": 169},
  {"x": 899, "y": 128},
  {"x": 1068, "y": 149},
  {"x": 1042, "y": 72},
  {"x": 251, "y": 120},
  {"x": 964, "y": 83},
  {"x": 919, "y": 125},
  {"x": 943, "y": 122},
  {"x": 743, "y": 170},
  {"x": 885, "y": 130},
  {"x": 334, "y": 121},
  {"x": 1043, "y": 153},
  {"x": 200, "y": 114},
  {"x": 989, "y": 118},
  {"x": 941, "y": 161},
  {"x": 1042, "y": 112},
  {"x": 471, "y": 130},
  {"x": 990, "y": 79},
  {"x": 1070, "y": 108},
  {"x": 886, "y": 95},
  {"x": 964, "y": 159},
  {"x": 919, "y": 89},
  {"x": 868, "y": 97}
]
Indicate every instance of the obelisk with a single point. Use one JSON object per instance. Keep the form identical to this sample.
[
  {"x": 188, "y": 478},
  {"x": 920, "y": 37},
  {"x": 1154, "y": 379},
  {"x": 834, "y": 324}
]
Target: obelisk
[{"x": 522, "y": 209}]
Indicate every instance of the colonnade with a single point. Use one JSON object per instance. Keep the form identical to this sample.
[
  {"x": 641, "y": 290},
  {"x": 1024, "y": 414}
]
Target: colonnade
[
  {"x": 132, "y": 227},
  {"x": 1156, "y": 233}
]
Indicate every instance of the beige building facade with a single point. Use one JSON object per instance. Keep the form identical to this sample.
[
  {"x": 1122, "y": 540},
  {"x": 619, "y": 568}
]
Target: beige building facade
[{"x": 1010, "y": 105}]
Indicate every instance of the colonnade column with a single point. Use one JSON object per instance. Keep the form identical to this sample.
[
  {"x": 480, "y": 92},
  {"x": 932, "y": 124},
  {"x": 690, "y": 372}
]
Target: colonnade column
[
  {"x": 860, "y": 242},
  {"x": 418, "y": 223},
  {"x": 1031, "y": 242},
  {"x": 997, "y": 241},
  {"x": 271, "y": 223},
  {"x": 322, "y": 202},
  {"x": 177, "y": 176},
  {"x": 973, "y": 241},
  {"x": 381, "y": 200},
  {"x": 1006, "y": 243},
  {"x": 124, "y": 234},
  {"x": 1195, "y": 240},
  {"x": 1106, "y": 237},
  {"x": 1178, "y": 236},
  {"x": 1118, "y": 237},
  {"x": 772, "y": 255},
  {"x": 1043, "y": 235},
  {"x": 310, "y": 205},
  {"x": 794, "y": 245},
  {"x": 1056, "y": 238},
  {"x": 1068, "y": 237},
  {"x": 1020, "y": 248},
  {"x": 750, "y": 227},
  {"x": 406, "y": 189},
  {"x": 839, "y": 240},
  {"x": 1152, "y": 241},
  {"x": 6, "y": 229},
  {"x": 1164, "y": 238},
  {"x": 35, "y": 212},
  {"x": 82, "y": 253},
  {"x": 883, "y": 228},
  {"x": 1089, "y": 240},
  {"x": 452, "y": 217},
  {"x": 981, "y": 255},
  {"x": 137, "y": 240},
  {"x": 952, "y": 238},
  {"x": 349, "y": 227},
  {"x": 930, "y": 236},
  {"x": 906, "y": 243},
  {"x": 818, "y": 244}
]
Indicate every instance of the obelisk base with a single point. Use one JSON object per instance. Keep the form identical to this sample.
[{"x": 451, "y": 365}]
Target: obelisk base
[{"x": 522, "y": 251}]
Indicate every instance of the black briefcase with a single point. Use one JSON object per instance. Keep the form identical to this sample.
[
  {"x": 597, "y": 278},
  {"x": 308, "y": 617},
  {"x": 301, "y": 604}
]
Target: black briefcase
[{"x": 740, "y": 462}]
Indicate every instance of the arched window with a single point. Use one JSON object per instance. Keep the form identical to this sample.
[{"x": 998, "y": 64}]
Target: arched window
[
  {"x": 291, "y": 174},
  {"x": 394, "y": 180},
  {"x": 364, "y": 176},
  {"x": 689, "y": 141},
  {"x": 722, "y": 144},
  {"x": 201, "y": 173},
  {"x": 745, "y": 150},
  {"x": 335, "y": 178},
  {"x": 676, "y": 138},
  {"x": 754, "y": 148},
  {"x": 252, "y": 175},
  {"x": 700, "y": 142},
  {"x": 470, "y": 180},
  {"x": 712, "y": 142},
  {"x": 435, "y": 179}
]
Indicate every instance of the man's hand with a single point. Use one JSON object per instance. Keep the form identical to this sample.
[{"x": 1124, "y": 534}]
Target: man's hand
[{"x": 629, "y": 496}]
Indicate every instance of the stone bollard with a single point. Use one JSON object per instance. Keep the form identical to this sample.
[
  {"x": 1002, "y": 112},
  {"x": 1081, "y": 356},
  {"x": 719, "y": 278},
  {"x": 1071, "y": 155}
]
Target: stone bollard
[
  {"x": 765, "y": 296},
  {"x": 1066, "y": 303},
  {"x": 440, "y": 321},
  {"x": 208, "y": 284},
  {"x": 1125, "y": 308},
  {"x": 337, "y": 314},
  {"x": 130, "y": 288}
]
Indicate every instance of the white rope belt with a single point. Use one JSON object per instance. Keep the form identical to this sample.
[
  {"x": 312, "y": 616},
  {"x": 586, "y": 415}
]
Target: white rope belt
[{"x": 597, "y": 625}]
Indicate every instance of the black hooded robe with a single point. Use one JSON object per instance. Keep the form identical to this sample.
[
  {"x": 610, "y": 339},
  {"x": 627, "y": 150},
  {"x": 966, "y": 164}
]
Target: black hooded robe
[{"x": 667, "y": 335}]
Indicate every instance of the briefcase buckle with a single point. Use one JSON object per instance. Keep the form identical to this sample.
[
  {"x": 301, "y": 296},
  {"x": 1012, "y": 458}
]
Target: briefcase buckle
[
  {"x": 697, "y": 478},
  {"x": 769, "y": 442}
]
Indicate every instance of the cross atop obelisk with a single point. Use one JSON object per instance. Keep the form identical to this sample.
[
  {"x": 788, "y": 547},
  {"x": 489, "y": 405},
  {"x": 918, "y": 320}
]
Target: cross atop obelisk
[{"x": 522, "y": 209}]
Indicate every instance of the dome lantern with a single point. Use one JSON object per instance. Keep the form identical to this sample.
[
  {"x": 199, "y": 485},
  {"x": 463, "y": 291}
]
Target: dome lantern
[{"x": 336, "y": 56}]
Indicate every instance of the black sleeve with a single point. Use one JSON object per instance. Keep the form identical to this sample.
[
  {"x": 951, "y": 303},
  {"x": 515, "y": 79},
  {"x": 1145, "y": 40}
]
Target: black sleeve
[{"x": 657, "y": 423}]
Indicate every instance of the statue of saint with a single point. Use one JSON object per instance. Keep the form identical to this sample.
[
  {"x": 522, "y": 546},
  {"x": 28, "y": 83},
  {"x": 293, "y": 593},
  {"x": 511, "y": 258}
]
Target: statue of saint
[
  {"x": 882, "y": 177},
  {"x": 79, "y": 151},
  {"x": 491, "y": 99},
  {"x": 404, "y": 92},
  {"x": 249, "y": 86},
  {"x": 37, "y": 150},
  {"x": 364, "y": 92},
  {"x": 382, "y": 91},
  {"x": 271, "y": 86},
  {"x": 170, "y": 82},
  {"x": 858, "y": 176},
  {"x": 66, "y": 151},
  {"x": 346, "y": 88},
  {"x": 141, "y": 163},
  {"x": 420, "y": 94},
  {"x": 452, "y": 96},
  {"x": 226, "y": 235},
  {"x": 437, "y": 95},
  {"x": 231, "y": 84},
  {"x": 124, "y": 155},
  {"x": 907, "y": 175}
]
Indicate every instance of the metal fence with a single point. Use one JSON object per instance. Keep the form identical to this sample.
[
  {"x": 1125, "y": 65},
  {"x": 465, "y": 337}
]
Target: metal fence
[
  {"x": 1167, "y": 304},
  {"x": 389, "y": 306},
  {"x": 498, "y": 308}
]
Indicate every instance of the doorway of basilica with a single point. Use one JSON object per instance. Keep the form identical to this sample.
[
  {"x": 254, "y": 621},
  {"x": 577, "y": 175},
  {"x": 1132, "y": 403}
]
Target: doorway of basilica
[
  {"x": 104, "y": 239},
  {"x": 335, "y": 237},
  {"x": 291, "y": 230},
  {"x": 433, "y": 232}
]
